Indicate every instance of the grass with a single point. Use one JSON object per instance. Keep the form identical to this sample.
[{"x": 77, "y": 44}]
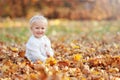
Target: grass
[
  {"x": 16, "y": 34},
  {"x": 16, "y": 31}
]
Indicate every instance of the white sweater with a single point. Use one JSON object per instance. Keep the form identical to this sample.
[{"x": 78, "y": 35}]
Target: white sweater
[{"x": 36, "y": 48}]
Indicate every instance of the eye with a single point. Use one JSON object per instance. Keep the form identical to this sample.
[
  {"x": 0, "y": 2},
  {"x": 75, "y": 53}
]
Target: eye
[
  {"x": 36, "y": 27},
  {"x": 42, "y": 28}
]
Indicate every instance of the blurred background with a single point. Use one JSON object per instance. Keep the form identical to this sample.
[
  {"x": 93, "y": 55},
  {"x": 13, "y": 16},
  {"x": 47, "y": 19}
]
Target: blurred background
[
  {"x": 85, "y": 37},
  {"x": 65, "y": 17},
  {"x": 67, "y": 9}
]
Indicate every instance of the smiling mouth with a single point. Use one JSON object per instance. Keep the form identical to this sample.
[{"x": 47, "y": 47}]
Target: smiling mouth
[{"x": 39, "y": 33}]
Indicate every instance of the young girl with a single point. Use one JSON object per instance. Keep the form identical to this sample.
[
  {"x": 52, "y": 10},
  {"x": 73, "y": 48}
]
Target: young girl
[{"x": 38, "y": 46}]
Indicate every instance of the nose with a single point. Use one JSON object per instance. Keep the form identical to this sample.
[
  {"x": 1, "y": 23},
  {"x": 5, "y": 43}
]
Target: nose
[{"x": 41, "y": 31}]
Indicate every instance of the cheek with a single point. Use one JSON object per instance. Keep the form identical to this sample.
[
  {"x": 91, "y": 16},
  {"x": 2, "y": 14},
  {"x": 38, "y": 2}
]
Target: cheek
[
  {"x": 45, "y": 29},
  {"x": 33, "y": 31}
]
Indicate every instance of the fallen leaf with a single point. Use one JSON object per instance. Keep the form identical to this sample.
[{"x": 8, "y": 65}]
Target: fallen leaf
[
  {"x": 77, "y": 57},
  {"x": 52, "y": 61},
  {"x": 14, "y": 49}
]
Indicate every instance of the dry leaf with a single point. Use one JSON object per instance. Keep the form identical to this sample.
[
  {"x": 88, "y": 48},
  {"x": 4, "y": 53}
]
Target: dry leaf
[
  {"x": 77, "y": 57},
  {"x": 21, "y": 53},
  {"x": 14, "y": 49},
  {"x": 52, "y": 61},
  {"x": 63, "y": 63}
]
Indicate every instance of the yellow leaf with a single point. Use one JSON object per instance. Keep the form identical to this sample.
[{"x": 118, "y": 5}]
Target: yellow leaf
[
  {"x": 83, "y": 78},
  {"x": 51, "y": 61},
  {"x": 65, "y": 78},
  {"x": 113, "y": 70},
  {"x": 77, "y": 57},
  {"x": 14, "y": 49},
  {"x": 76, "y": 47},
  {"x": 33, "y": 76},
  {"x": 95, "y": 72},
  {"x": 92, "y": 49}
]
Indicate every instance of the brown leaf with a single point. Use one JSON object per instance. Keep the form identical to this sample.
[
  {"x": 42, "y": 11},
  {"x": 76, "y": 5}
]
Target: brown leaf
[
  {"x": 21, "y": 53},
  {"x": 63, "y": 63}
]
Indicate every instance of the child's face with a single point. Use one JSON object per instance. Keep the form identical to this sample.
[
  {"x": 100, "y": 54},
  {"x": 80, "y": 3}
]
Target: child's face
[{"x": 38, "y": 29}]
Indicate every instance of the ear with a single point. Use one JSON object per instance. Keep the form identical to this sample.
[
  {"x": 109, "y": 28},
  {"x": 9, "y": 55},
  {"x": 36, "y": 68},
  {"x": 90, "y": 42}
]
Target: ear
[{"x": 31, "y": 28}]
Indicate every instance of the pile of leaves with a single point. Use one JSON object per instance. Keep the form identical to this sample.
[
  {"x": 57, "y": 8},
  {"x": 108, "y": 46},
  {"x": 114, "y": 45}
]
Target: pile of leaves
[{"x": 80, "y": 59}]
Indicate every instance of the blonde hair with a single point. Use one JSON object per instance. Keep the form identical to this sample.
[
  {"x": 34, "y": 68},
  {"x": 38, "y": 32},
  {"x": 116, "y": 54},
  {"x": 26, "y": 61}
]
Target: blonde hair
[{"x": 38, "y": 18}]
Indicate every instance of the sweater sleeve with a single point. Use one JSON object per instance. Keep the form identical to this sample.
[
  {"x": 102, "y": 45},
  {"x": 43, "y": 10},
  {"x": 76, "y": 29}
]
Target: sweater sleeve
[{"x": 49, "y": 48}]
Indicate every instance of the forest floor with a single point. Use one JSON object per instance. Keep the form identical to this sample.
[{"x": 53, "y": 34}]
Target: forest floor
[{"x": 84, "y": 50}]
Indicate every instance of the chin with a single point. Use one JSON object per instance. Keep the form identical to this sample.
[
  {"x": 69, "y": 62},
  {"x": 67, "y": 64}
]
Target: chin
[{"x": 39, "y": 36}]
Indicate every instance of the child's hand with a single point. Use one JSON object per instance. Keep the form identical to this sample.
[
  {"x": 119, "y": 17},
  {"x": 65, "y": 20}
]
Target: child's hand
[{"x": 48, "y": 54}]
